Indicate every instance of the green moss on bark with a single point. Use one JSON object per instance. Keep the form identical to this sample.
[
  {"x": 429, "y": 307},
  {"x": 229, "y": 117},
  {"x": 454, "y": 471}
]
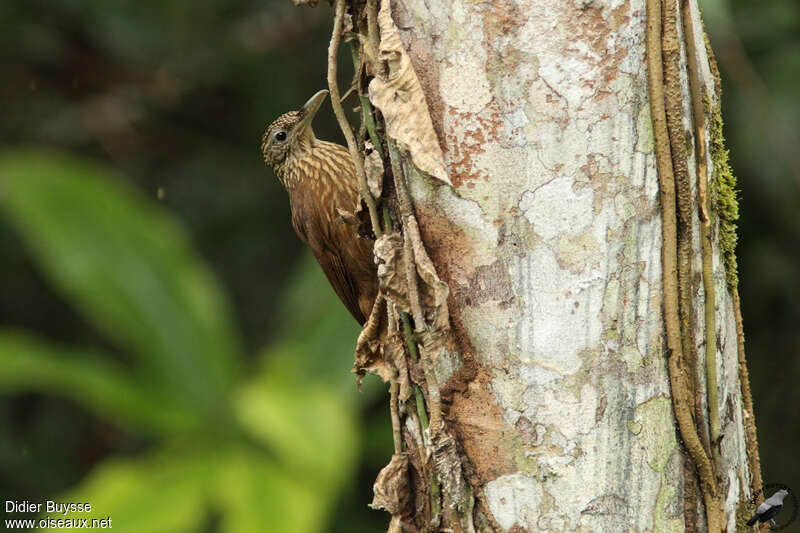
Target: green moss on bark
[
  {"x": 743, "y": 512},
  {"x": 724, "y": 190}
]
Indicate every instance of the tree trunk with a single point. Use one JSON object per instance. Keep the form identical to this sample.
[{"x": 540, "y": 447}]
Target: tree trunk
[{"x": 596, "y": 379}]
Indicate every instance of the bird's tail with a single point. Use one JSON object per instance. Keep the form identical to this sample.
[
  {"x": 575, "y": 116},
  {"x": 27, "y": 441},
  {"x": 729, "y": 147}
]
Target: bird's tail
[{"x": 752, "y": 520}]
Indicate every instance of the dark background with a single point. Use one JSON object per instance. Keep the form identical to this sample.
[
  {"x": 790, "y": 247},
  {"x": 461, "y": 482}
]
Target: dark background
[{"x": 175, "y": 95}]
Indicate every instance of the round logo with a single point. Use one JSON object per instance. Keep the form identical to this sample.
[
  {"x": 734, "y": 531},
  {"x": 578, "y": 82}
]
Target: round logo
[{"x": 787, "y": 512}]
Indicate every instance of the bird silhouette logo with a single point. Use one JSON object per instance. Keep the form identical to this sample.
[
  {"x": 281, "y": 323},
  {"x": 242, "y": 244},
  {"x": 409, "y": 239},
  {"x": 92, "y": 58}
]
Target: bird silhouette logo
[{"x": 778, "y": 510}]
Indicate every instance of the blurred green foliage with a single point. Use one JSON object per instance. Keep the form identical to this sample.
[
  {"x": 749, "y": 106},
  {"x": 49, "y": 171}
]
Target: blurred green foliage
[
  {"x": 133, "y": 358},
  {"x": 241, "y": 447}
]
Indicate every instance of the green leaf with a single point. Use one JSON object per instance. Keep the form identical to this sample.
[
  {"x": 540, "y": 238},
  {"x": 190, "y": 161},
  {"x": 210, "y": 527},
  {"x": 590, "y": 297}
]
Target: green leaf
[
  {"x": 128, "y": 268},
  {"x": 184, "y": 487},
  {"x": 166, "y": 492},
  {"x": 30, "y": 365},
  {"x": 309, "y": 425},
  {"x": 318, "y": 324},
  {"x": 255, "y": 495},
  {"x": 319, "y": 336}
]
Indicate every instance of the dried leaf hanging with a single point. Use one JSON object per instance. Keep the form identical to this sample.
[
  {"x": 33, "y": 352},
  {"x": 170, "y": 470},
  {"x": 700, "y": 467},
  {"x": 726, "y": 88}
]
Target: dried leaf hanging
[{"x": 399, "y": 96}]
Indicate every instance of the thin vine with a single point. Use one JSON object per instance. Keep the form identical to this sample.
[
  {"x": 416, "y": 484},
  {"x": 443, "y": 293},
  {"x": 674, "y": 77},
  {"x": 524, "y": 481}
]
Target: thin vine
[
  {"x": 701, "y": 168},
  {"x": 344, "y": 125},
  {"x": 663, "y": 48}
]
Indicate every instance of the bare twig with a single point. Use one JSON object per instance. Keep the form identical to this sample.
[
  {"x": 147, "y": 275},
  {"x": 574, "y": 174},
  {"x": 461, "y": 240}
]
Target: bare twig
[
  {"x": 394, "y": 387},
  {"x": 336, "y": 102},
  {"x": 348, "y": 92},
  {"x": 373, "y": 48}
]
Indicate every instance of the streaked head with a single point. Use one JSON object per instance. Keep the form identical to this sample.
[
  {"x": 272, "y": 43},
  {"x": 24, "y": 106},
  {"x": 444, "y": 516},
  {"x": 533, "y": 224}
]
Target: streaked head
[{"x": 289, "y": 131}]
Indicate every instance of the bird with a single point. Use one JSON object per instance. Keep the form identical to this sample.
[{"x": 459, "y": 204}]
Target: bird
[
  {"x": 320, "y": 179},
  {"x": 770, "y": 508}
]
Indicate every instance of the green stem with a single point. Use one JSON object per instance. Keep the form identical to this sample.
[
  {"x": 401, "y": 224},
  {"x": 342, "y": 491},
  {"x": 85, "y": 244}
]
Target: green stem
[
  {"x": 409, "y": 334},
  {"x": 412, "y": 350},
  {"x": 421, "y": 412},
  {"x": 387, "y": 219},
  {"x": 366, "y": 106}
]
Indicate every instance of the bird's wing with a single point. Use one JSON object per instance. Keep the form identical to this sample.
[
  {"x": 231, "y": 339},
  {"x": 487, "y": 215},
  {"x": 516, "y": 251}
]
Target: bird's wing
[
  {"x": 763, "y": 507},
  {"x": 772, "y": 511},
  {"x": 343, "y": 283},
  {"x": 776, "y": 499},
  {"x": 331, "y": 263}
]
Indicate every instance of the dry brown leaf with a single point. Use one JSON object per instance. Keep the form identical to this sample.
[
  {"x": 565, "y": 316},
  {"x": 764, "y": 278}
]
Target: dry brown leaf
[
  {"x": 393, "y": 351},
  {"x": 391, "y": 269},
  {"x": 399, "y": 96},
  {"x": 373, "y": 166},
  {"x": 347, "y": 27},
  {"x": 358, "y": 221},
  {"x": 370, "y": 343},
  {"x": 434, "y": 291},
  {"x": 392, "y": 486},
  {"x": 393, "y": 284},
  {"x": 396, "y": 525}
]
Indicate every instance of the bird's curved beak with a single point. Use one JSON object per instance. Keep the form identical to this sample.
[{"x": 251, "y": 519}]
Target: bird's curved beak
[{"x": 308, "y": 111}]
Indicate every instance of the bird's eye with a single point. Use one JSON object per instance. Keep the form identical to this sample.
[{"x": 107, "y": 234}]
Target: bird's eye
[{"x": 280, "y": 136}]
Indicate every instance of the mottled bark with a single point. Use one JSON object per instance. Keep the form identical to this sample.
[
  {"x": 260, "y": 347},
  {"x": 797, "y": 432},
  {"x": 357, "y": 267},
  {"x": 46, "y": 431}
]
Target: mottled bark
[
  {"x": 557, "y": 317},
  {"x": 572, "y": 416}
]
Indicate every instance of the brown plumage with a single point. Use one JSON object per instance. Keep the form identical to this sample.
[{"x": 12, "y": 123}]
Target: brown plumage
[{"x": 322, "y": 185}]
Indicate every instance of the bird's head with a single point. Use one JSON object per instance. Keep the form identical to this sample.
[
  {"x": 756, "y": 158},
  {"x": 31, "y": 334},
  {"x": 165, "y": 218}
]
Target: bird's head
[{"x": 290, "y": 131}]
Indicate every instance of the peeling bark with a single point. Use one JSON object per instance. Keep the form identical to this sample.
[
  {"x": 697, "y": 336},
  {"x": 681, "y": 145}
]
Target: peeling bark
[{"x": 558, "y": 317}]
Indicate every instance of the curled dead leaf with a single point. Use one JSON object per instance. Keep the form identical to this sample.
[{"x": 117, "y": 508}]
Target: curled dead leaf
[
  {"x": 359, "y": 220},
  {"x": 396, "y": 525},
  {"x": 399, "y": 96},
  {"x": 391, "y": 269},
  {"x": 393, "y": 351},
  {"x": 370, "y": 344},
  {"x": 393, "y": 283},
  {"x": 392, "y": 486},
  {"x": 434, "y": 291},
  {"x": 347, "y": 27}
]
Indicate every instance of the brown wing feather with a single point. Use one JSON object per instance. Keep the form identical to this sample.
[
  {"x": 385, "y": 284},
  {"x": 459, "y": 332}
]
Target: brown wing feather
[
  {"x": 306, "y": 222},
  {"x": 342, "y": 283}
]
